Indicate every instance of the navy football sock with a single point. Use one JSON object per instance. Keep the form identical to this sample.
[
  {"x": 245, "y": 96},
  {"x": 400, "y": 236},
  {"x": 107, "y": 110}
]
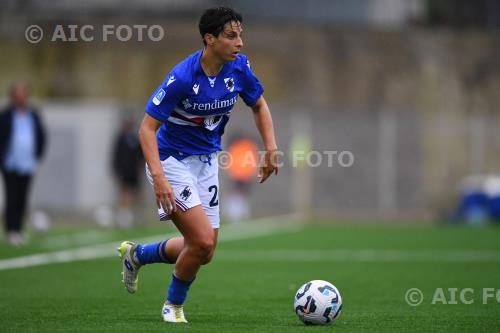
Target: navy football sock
[
  {"x": 151, "y": 253},
  {"x": 177, "y": 292}
]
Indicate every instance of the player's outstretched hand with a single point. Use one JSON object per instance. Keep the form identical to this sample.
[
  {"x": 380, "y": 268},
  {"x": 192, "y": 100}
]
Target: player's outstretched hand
[
  {"x": 269, "y": 165},
  {"x": 165, "y": 197}
]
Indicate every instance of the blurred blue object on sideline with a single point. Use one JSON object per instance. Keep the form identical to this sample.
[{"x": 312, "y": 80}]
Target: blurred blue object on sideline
[{"x": 479, "y": 201}]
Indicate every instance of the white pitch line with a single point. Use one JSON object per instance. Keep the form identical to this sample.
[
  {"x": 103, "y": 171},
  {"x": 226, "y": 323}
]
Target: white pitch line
[
  {"x": 81, "y": 238},
  {"x": 90, "y": 252},
  {"x": 367, "y": 255}
]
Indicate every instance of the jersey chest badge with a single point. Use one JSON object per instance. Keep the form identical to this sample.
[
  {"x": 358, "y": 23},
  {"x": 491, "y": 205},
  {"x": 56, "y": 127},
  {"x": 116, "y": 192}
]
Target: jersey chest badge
[{"x": 229, "y": 83}]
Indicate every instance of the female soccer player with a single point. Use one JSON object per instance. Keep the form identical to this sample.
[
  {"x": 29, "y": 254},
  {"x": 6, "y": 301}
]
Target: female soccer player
[{"x": 180, "y": 136}]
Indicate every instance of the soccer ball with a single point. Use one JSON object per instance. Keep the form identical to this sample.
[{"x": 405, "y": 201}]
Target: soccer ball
[{"x": 318, "y": 302}]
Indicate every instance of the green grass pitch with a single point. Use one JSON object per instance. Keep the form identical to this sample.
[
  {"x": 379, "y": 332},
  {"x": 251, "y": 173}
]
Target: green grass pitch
[{"x": 250, "y": 285}]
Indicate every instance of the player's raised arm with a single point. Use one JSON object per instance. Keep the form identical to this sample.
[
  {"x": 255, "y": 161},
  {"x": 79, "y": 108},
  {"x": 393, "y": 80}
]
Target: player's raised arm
[{"x": 264, "y": 122}]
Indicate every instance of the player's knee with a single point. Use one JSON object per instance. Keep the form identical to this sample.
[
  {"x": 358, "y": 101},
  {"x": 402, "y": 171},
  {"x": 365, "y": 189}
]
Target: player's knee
[
  {"x": 209, "y": 257},
  {"x": 204, "y": 249}
]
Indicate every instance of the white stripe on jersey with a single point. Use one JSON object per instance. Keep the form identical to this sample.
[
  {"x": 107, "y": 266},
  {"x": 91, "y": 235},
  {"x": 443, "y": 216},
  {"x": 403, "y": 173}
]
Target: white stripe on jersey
[
  {"x": 181, "y": 122},
  {"x": 185, "y": 114}
]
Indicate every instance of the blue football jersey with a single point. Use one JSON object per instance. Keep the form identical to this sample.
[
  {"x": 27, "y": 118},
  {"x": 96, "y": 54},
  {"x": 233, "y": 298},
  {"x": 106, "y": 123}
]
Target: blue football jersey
[{"x": 195, "y": 108}]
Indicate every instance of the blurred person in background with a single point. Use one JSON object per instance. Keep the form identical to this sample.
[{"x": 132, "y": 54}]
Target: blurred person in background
[
  {"x": 242, "y": 171},
  {"x": 128, "y": 165},
  {"x": 180, "y": 136},
  {"x": 22, "y": 145}
]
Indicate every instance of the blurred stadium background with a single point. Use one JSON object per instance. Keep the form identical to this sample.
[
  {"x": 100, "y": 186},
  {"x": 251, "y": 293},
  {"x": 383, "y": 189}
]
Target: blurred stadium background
[{"x": 409, "y": 87}]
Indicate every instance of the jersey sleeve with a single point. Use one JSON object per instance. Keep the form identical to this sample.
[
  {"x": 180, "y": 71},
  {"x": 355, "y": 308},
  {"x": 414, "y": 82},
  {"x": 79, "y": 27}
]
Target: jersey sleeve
[
  {"x": 165, "y": 98},
  {"x": 251, "y": 87}
]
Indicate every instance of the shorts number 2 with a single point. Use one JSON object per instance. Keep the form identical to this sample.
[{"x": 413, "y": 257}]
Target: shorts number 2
[{"x": 214, "y": 202}]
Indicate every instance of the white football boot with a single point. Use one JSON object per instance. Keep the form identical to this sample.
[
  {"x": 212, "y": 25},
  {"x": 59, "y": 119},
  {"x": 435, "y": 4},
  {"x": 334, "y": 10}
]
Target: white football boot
[
  {"x": 173, "y": 313},
  {"x": 130, "y": 267}
]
